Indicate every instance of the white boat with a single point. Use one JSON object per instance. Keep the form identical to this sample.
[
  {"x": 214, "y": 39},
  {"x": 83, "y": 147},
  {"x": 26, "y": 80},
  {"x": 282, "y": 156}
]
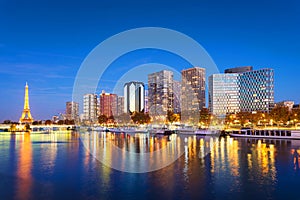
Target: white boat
[
  {"x": 100, "y": 128},
  {"x": 161, "y": 131},
  {"x": 128, "y": 130},
  {"x": 134, "y": 130},
  {"x": 115, "y": 130},
  {"x": 273, "y": 134},
  {"x": 208, "y": 132},
  {"x": 186, "y": 130}
]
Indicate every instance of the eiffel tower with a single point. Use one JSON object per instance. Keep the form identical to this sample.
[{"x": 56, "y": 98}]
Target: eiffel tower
[{"x": 26, "y": 115}]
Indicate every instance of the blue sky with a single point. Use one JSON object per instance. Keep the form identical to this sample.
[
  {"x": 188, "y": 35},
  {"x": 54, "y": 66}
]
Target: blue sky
[{"x": 45, "y": 42}]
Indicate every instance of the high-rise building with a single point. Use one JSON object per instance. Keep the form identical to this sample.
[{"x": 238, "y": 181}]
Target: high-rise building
[
  {"x": 257, "y": 90},
  {"x": 160, "y": 94},
  {"x": 134, "y": 97},
  {"x": 90, "y": 108},
  {"x": 192, "y": 93},
  {"x": 72, "y": 111},
  {"x": 224, "y": 94},
  {"x": 239, "y": 70},
  {"x": 120, "y": 105},
  {"x": 146, "y": 102},
  {"x": 108, "y": 104},
  {"x": 177, "y": 96},
  {"x": 241, "y": 89}
]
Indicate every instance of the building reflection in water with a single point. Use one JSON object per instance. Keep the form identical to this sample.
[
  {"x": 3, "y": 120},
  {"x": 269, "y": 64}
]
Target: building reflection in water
[
  {"x": 48, "y": 151},
  {"x": 296, "y": 158},
  {"x": 226, "y": 154},
  {"x": 24, "y": 167},
  {"x": 133, "y": 152},
  {"x": 225, "y": 163}
]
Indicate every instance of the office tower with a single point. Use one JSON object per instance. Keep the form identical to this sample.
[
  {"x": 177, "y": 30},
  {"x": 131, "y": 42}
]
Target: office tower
[
  {"x": 120, "y": 105},
  {"x": 192, "y": 93},
  {"x": 108, "y": 104},
  {"x": 90, "y": 107},
  {"x": 257, "y": 90},
  {"x": 72, "y": 111},
  {"x": 177, "y": 96},
  {"x": 224, "y": 94},
  {"x": 238, "y": 70},
  {"x": 242, "y": 89},
  {"x": 134, "y": 97},
  {"x": 160, "y": 94},
  {"x": 146, "y": 101}
]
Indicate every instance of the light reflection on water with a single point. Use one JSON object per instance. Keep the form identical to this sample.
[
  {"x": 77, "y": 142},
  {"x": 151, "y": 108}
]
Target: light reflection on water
[{"x": 58, "y": 166}]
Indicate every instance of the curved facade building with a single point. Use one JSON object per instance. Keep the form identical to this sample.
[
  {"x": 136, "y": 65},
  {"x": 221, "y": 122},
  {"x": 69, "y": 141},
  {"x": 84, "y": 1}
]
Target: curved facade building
[
  {"x": 134, "y": 97},
  {"x": 241, "y": 89}
]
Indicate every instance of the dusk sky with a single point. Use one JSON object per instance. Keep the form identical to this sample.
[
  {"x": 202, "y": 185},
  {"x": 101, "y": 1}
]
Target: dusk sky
[{"x": 45, "y": 42}]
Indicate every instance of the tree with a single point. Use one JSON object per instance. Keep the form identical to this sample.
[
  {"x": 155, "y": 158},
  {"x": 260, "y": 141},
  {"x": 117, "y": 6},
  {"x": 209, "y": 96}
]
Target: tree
[
  {"x": 245, "y": 117},
  {"x": 35, "y": 123},
  {"x": 13, "y": 128},
  {"x": 140, "y": 118},
  {"x": 111, "y": 119},
  {"x": 7, "y": 121},
  {"x": 123, "y": 118},
  {"x": 295, "y": 115},
  {"x": 280, "y": 114},
  {"x": 205, "y": 116},
  {"x": 102, "y": 119},
  {"x": 172, "y": 117},
  {"x": 27, "y": 127},
  {"x": 48, "y": 122},
  {"x": 60, "y": 122}
]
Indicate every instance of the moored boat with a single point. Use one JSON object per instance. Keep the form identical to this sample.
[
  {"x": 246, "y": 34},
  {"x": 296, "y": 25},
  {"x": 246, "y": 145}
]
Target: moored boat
[
  {"x": 161, "y": 131},
  {"x": 186, "y": 130},
  {"x": 208, "y": 132},
  {"x": 264, "y": 133}
]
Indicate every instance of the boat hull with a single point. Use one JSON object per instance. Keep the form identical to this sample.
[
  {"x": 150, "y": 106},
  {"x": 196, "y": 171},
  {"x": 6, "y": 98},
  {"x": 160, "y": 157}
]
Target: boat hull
[{"x": 267, "y": 134}]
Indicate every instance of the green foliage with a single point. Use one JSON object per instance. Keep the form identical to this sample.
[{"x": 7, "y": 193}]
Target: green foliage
[
  {"x": 140, "y": 118},
  {"x": 245, "y": 117},
  {"x": 48, "y": 122},
  {"x": 111, "y": 119},
  {"x": 280, "y": 114},
  {"x": 102, "y": 119},
  {"x": 123, "y": 118},
  {"x": 205, "y": 116},
  {"x": 13, "y": 128},
  {"x": 60, "y": 122},
  {"x": 27, "y": 127},
  {"x": 172, "y": 117},
  {"x": 7, "y": 121}
]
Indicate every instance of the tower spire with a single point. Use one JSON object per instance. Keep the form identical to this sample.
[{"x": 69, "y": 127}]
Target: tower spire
[{"x": 26, "y": 115}]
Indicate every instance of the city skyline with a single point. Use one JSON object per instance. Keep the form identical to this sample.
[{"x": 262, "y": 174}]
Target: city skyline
[
  {"x": 102, "y": 103},
  {"x": 49, "y": 59}
]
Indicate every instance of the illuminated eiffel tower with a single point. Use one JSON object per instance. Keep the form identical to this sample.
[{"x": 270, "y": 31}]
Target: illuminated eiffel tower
[{"x": 26, "y": 115}]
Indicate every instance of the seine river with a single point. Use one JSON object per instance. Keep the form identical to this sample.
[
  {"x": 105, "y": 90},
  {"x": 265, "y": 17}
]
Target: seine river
[{"x": 69, "y": 166}]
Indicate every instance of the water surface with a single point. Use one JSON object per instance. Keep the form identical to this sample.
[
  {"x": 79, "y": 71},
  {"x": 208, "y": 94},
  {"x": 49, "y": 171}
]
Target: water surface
[{"x": 58, "y": 166}]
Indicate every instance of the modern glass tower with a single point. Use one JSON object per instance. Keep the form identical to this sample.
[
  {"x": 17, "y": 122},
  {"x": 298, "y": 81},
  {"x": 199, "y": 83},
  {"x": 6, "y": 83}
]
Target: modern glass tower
[
  {"x": 177, "y": 96},
  {"x": 241, "y": 89},
  {"x": 120, "y": 107},
  {"x": 134, "y": 97},
  {"x": 72, "y": 110},
  {"x": 257, "y": 90},
  {"x": 192, "y": 93},
  {"x": 160, "y": 94},
  {"x": 224, "y": 94}
]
